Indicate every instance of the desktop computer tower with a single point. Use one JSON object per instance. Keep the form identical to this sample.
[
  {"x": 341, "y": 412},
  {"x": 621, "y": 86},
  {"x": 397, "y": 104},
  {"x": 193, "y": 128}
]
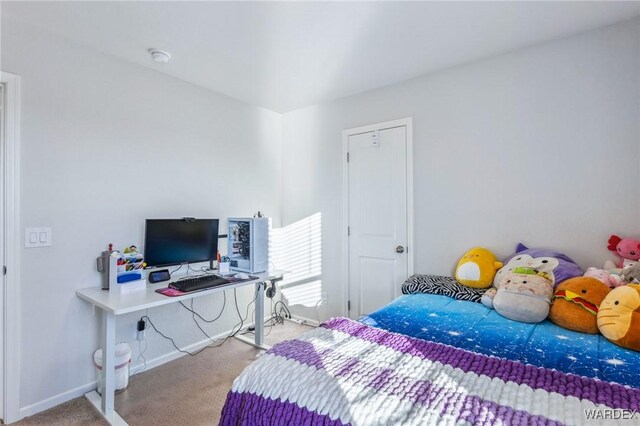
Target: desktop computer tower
[{"x": 248, "y": 244}]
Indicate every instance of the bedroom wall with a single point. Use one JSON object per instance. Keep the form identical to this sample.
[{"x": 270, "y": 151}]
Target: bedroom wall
[
  {"x": 539, "y": 145},
  {"x": 106, "y": 144}
]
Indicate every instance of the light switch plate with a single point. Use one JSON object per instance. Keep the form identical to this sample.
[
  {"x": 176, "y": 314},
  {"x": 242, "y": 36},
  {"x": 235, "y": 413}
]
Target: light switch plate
[{"x": 37, "y": 237}]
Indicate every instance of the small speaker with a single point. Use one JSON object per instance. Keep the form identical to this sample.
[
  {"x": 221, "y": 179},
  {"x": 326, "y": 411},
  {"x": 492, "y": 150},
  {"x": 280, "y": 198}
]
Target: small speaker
[{"x": 159, "y": 276}]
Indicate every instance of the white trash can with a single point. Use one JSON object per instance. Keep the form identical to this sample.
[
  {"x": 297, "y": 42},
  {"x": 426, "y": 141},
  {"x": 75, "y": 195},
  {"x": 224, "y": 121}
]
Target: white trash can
[{"x": 123, "y": 359}]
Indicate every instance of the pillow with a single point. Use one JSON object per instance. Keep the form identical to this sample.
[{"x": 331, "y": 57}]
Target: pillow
[
  {"x": 477, "y": 267},
  {"x": 576, "y": 303},
  {"x": 558, "y": 266},
  {"x": 619, "y": 316},
  {"x": 523, "y": 296},
  {"x": 443, "y": 286}
]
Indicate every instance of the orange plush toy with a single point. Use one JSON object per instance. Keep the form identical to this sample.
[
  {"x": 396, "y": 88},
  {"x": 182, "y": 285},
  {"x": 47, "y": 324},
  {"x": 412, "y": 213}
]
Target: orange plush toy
[
  {"x": 576, "y": 303},
  {"x": 619, "y": 317}
]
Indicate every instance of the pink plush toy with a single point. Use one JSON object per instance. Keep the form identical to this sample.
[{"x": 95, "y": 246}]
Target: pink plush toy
[
  {"x": 610, "y": 280},
  {"x": 627, "y": 248}
]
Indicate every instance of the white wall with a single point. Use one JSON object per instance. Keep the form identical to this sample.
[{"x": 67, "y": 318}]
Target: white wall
[
  {"x": 539, "y": 145},
  {"x": 106, "y": 144}
]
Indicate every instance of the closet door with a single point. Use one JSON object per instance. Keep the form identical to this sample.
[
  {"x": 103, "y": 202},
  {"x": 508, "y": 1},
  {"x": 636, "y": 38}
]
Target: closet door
[{"x": 378, "y": 260}]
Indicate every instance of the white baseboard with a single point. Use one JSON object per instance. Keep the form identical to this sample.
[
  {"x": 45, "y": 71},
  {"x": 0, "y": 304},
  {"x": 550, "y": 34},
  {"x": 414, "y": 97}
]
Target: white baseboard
[
  {"x": 61, "y": 398},
  {"x": 170, "y": 356}
]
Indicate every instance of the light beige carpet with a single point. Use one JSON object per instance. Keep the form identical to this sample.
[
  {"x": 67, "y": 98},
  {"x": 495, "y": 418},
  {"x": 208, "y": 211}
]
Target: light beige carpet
[{"x": 187, "y": 391}]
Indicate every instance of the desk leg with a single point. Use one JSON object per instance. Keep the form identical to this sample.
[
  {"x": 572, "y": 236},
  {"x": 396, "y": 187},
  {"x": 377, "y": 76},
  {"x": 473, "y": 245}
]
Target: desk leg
[
  {"x": 106, "y": 403},
  {"x": 258, "y": 341},
  {"x": 259, "y": 325},
  {"x": 108, "y": 362}
]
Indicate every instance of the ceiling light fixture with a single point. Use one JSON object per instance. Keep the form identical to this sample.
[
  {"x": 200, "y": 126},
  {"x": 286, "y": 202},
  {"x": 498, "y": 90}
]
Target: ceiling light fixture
[{"x": 160, "y": 55}]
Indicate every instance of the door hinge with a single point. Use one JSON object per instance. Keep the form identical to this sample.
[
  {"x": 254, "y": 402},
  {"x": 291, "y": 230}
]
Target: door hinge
[
  {"x": 348, "y": 231},
  {"x": 347, "y": 157},
  {"x": 4, "y": 270},
  {"x": 348, "y": 305}
]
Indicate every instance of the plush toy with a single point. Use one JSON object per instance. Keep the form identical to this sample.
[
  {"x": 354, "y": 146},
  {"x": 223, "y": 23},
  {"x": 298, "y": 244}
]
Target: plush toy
[
  {"x": 131, "y": 250},
  {"x": 631, "y": 274},
  {"x": 609, "y": 279},
  {"x": 576, "y": 303},
  {"x": 477, "y": 268},
  {"x": 619, "y": 316},
  {"x": 523, "y": 295},
  {"x": 488, "y": 296},
  {"x": 627, "y": 249},
  {"x": 559, "y": 266}
]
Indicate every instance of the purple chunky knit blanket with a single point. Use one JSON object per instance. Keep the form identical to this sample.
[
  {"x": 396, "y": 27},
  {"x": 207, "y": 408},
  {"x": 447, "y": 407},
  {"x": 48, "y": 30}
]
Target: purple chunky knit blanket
[{"x": 345, "y": 372}]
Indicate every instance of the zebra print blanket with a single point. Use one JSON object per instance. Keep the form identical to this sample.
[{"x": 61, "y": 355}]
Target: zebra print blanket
[
  {"x": 444, "y": 286},
  {"x": 345, "y": 372}
]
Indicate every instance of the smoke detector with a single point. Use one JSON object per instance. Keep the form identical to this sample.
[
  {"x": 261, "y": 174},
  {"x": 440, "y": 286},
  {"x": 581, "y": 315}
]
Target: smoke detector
[{"x": 160, "y": 55}]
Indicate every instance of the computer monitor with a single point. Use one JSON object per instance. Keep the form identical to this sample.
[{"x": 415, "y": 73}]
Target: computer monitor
[{"x": 176, "y": 241}]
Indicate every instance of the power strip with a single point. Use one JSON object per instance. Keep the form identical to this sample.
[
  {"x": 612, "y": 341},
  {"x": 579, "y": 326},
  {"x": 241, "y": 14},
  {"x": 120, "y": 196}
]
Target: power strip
[{"x": 305, "y": 321}]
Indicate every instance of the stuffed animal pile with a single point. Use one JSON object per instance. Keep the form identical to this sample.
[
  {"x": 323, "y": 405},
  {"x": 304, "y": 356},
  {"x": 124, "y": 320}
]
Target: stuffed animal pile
[
  {"x": 607, "y": 278},
  {"x": 557, "y": 265},
  {"x": 522, "y": 286},
  {"x": 535, "y": 284}
]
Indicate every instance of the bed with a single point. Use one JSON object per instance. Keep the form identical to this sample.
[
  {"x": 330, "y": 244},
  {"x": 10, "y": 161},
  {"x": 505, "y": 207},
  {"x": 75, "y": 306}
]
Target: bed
[
  {"x": 473, "y": 327},
  {"x": 433, "y": 359}
]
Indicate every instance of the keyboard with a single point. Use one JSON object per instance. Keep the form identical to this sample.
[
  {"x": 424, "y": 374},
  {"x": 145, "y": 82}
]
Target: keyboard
[{"x": 198, "y": 283}]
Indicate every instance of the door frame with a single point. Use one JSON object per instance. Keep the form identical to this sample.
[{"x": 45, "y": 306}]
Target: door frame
[
  {"x": 408, "y": 122},
  {"x": 11, "y": 284}
]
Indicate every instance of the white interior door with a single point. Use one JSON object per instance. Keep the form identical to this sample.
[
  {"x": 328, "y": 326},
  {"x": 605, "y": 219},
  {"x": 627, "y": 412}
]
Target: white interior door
[
  {"x": 10, "y": 248},
  {"x": 2, "y": 242},
  {"x": 377, "y": 210}
]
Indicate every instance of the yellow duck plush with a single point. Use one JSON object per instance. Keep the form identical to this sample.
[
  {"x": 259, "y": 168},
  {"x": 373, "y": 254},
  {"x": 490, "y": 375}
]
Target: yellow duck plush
[{"x": 477, "y": 268}]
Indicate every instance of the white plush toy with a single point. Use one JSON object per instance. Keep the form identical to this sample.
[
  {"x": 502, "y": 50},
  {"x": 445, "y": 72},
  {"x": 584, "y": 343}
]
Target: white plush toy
[{"x": 523, "y": 295}]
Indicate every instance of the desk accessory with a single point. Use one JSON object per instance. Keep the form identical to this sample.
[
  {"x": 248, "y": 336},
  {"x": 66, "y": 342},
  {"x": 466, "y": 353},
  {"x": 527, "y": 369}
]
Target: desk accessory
[
  {"x": 121, "y": 273},
  {"x": 174, "y": 292},
  {"x": 107, "y": 265},
  {"x": 224, "y": 265},
  {"x": 129, "y": 287},
  {"x": 159, "y": 276}
]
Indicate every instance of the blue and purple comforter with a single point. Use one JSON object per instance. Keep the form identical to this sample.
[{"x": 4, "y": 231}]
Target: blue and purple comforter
[
  {"x": 347, "y": 372},
  {"x": 474, "y": 327}
]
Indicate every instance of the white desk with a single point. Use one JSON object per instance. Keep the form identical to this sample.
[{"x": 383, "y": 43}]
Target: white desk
[{"x": 113, "y": 305}]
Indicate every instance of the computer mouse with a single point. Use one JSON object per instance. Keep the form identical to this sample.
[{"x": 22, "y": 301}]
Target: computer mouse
[{"x": 242, "y": 276}]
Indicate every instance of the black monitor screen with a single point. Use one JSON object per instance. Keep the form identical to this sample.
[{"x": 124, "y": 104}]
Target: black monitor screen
[{"x": 175, "y": 241}]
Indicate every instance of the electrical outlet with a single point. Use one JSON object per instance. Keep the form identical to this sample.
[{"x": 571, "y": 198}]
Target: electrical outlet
[
  {"x": 140, "y": 327},
  {"x": 324, "y": 297}
]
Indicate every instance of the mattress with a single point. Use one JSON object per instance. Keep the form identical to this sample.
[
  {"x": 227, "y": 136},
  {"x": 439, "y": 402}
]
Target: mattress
[{"x": 472, "y": 326}]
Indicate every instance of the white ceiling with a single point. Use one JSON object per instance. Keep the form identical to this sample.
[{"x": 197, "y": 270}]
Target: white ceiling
[{"x": 287, "y": 55}]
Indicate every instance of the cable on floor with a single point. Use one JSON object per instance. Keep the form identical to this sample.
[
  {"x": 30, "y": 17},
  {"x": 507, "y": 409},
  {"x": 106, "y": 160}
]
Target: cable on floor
[{"x": 277, "y": 316}]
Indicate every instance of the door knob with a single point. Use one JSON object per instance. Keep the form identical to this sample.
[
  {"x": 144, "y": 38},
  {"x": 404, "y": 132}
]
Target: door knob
[{"x": 399, "y": 249}]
